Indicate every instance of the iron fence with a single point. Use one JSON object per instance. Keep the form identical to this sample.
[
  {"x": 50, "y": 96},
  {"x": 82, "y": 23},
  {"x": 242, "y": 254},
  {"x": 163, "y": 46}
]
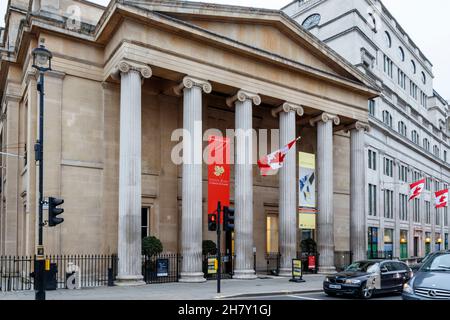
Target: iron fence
[
  {"x": 17, "y": 273},
  {"x": 226, "y": 267},
  {"x": 161, "y": 268},
  {"x": 273, "y": 263}
]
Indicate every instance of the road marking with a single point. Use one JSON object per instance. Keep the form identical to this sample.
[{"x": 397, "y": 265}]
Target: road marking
[{"x": 304, "y": 298}]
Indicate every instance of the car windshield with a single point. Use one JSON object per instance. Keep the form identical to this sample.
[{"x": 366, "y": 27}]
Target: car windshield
[
  {"x": 440, "y": 262},
  {"x": 363, "y": 266}
]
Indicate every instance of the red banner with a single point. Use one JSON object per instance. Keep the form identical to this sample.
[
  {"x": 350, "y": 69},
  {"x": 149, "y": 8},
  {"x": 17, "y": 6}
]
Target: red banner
[
  {"x": 312, "y": 262},
  {"x": 218, "y": 173}
]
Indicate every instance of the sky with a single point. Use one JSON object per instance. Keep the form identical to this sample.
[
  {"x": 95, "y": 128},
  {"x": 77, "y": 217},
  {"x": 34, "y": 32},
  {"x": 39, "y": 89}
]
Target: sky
[{"x": 426, "y": 23}]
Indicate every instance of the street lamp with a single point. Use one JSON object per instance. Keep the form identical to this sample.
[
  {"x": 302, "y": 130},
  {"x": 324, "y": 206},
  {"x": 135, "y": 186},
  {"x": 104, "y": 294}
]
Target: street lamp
[{"x": 42, "y": 62}]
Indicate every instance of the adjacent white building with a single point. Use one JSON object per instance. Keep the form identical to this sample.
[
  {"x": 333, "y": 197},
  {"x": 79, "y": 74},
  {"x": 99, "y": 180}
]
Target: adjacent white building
[{"x": 409, "y": 133}]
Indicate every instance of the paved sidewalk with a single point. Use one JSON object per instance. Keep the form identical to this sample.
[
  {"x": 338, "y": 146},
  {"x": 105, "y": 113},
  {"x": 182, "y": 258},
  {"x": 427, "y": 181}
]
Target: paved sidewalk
[{"x": 183, "y": 291}]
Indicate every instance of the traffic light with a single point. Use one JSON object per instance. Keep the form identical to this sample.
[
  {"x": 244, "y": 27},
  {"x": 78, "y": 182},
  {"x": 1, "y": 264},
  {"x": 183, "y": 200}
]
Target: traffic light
[
  {"x": 212, "y": 222},
  {"x": 53, "y": 211},
  {"x": 228, "y": 219}
]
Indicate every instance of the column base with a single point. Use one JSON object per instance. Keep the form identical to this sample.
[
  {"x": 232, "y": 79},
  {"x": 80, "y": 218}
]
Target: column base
[
  {"x": 192, "y": 277},
  {"x": 128, "y": 281},
  {"x": 326, "y": 270},
  {"x": 285, "y": 272},
  {"x": 244, "y": 274}
]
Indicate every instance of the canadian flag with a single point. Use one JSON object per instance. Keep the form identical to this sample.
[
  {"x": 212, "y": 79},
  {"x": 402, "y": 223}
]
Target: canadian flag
[
  {"x": 441, "y": 199},
  {"x": 275, "y": 160},
  {"x": 416, "y": 189}
]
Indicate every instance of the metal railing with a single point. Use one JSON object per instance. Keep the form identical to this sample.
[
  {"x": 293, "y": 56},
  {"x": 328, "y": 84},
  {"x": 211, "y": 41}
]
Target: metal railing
[
  {"x": 17, "y": 272},
  {"x": 161, "y": 268}
]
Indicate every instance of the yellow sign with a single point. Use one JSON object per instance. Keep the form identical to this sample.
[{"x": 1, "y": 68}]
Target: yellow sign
[
  {"x": 307, "y": 221},
  {"x": 297, "y": 268},
  {"x": 212, "y": 265},
  {"x": 47, "y": 264}
]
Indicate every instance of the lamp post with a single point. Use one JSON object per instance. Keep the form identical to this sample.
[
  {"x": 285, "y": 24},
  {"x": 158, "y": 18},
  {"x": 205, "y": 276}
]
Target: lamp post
[{"x": 42, "y": 62}]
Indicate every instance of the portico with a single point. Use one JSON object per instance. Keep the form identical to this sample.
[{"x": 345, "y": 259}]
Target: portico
[{"x": 173, "y": 65}]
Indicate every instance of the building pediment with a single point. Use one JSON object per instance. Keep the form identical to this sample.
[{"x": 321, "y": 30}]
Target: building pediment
[{"x": 268, "y": 33}]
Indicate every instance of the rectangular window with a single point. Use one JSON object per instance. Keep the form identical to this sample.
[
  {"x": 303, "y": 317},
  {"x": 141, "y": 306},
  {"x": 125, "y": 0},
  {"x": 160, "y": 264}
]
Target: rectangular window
[
  {"x": 388, "y": 66},
  {"x": 372, "y": 241},
  {"x": 403, "y": 173},
  {"x": 413, "y": 89},
  {"x": 428, "y": 184},
  {"x": 401, "y": 79},
  {"x": 446, "y": 216},
  {"x": 372, "y": 107},
  {"x": 427, "y": 212},
  {"x": 403, "y": 244},
  {"x": 272, "y": 233},
  {"x": 437, "y": 217},
  {"x": 388, "y": 167},
  {"x": 388, "y": 241},
  {"x": 145, "y": 222},
  {"x": 372, "y": 160},
  {"x": 389, "y": 204},
  {"x": 416, "y": 206},
  {"x": 445, "y": 155},
  {"x": 372, "y": 200},
  {"x": 403, "y": 207}
]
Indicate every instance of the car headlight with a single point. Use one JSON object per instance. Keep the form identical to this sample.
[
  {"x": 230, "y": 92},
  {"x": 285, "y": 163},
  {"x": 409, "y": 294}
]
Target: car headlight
[
  {"x": 407, "y": 288},
  {"x": 327, "y": 279},
  {"x": 352, "y": 281}
]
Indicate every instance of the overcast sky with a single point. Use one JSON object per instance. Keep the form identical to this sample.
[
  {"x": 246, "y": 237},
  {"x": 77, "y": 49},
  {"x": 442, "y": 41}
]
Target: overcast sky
[{"x": 425, "y": 22}]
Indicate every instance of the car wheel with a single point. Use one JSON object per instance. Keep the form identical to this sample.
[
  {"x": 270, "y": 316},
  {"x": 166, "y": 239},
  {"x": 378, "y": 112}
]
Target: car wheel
[{"x": 366, "y": 293}]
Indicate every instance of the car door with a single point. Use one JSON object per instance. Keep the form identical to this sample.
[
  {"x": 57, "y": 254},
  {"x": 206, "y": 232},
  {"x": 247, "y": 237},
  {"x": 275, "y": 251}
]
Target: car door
[
  {"x": 403, "y": 271},
  {"x": 388, "y": 272}
]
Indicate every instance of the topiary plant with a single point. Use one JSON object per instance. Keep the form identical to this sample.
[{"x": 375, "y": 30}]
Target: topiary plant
[
  {"x": 209, "y": 247},
  {"x": 151, "y": 246},
  {"x": 308, "y": 246}
]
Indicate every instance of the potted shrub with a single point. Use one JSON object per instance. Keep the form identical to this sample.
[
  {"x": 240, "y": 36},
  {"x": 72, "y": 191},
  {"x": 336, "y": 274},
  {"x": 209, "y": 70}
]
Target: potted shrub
[{"x": 151, "y": 247}]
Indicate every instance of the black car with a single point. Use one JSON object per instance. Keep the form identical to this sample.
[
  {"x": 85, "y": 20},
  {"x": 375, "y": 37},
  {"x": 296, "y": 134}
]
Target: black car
[
  {"x": 364, "y": 278},
  {"x": 432, "y": 280}
]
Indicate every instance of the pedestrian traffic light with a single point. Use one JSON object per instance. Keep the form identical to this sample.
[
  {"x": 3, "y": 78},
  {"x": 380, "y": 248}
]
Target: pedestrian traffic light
[
  {"x": 228, "y": 219},
  {"x": 212, "y": 222},
  {"x": 53, "y": 211}
]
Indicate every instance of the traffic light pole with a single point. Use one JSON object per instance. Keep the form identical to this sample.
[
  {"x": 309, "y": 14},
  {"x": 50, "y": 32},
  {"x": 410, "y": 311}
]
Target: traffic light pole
[
  {"x": 219, "y": 269},
  {"x": 39, "y": 148}
]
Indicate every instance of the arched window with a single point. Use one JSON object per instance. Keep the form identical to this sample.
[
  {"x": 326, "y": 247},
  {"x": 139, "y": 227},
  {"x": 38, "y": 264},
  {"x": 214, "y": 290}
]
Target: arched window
[
  {"x": 415, "y": 137},
  {"x": 401, "y": 54},
  {"x": 387, "y": 39},
  {"x": 436, "y": 151},
  {"x": 426, "y": 144},
  {"x": 402, "y": 128},
  {"x": 424, "y": 78},
  {"x": 387, "y": 118},
  {"x": 413, "y": 67}
]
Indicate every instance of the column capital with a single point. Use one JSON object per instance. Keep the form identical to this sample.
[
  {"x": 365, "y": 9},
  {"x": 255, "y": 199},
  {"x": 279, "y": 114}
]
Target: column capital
[
  {"x": 358, "y": 126},
  {"x": 325, "y": 117},
  {"x": 288, "y": 107},
  {"x": 242, "y": 95},
  {"x": 127, "y": 66},
  {"x": 189, "y": 82}
]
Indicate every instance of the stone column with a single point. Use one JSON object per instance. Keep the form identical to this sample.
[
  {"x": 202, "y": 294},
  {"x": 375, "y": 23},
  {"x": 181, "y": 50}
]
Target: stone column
[
  {"x": 325, "y": 232},
  {"x": 129, "y": 246},
  {"x": 357, "y": 195},
  {"x": 288, "y": 189},
  {"x": 243, "y": 192},
  {"x": 191, "y": 220}
]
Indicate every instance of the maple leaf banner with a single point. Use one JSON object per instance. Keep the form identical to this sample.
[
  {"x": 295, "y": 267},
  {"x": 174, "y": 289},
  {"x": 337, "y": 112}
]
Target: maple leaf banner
[
  {"x": 275, "y": 160},
  {"x": 441, "y": 198},
  {"x": 416, "y": 188}
]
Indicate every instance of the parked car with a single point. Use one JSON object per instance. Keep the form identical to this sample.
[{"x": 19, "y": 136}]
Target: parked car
[
  {"x": 432, "y": 280},
  {"x": 416, "y": 266},
  {"x": 365, "y": 278}
]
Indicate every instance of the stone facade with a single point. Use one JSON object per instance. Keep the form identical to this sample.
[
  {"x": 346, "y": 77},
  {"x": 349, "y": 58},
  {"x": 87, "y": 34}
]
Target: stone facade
[
  {"x": 409, "y": 123},
  {"x": 111, "y": 110}
]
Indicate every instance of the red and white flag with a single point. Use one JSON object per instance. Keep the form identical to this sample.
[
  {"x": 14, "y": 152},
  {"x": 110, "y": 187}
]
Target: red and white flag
[
  {"x": 416, "y": 189},
  {"x": 441, "y": 199},
  {"x": 275, "y": 160}
]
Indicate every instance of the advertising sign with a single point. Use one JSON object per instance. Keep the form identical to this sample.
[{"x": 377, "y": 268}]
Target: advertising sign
[
  {"x": 162, "y": 267},
  {"x": 218, "y": 173},
  {"x": 307, "y": 180},
  {"x": 212, "y": 265},
  {"x": 312, "y": 262},
  {"x": 296, "y": 268},
  {"x": 307, "y": 221}
]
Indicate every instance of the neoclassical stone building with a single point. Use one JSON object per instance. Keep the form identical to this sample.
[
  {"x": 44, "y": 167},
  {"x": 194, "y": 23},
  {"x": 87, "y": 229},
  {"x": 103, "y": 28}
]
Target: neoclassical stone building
[{"x": 124, "y": 78}]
